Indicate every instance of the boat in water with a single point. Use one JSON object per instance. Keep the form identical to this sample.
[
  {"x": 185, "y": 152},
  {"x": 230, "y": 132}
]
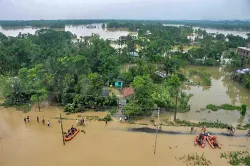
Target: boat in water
[
  {"x": 212, "y": 140},
  {"x": 200, "y": 141},
  {"x": 68, "y": 137}
]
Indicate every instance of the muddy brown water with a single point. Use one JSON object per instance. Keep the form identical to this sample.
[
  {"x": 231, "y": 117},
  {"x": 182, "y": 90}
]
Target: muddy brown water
[{"x": 107, "y": 145}]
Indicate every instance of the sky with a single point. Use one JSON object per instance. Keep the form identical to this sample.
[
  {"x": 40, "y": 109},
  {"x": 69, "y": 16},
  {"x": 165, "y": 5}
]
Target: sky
[{"x": 125, "y": 9}]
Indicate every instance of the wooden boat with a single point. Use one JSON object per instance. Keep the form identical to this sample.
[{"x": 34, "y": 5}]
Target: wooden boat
[
  {"x": 71, "y": 136},
  {"x": 196, "y": 141},
  {"x": 212, "y": 142}
]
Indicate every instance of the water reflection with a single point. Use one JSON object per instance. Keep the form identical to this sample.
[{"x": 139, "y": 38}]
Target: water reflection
[
  {"x": 223, "y": 90},
  {"x": 79, "y": 30}
]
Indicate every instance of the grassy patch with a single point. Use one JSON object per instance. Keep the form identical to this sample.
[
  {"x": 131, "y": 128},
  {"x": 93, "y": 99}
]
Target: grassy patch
[
  {"x": 64, "y": 118},
  {"x": 224, "y": 107},
  {"x": 106, "y": 118},
  {"x": 95, "y": 118},
  {"x": 200, "y": 124},
  {"x": 194, "y": 159},
  {"x": 237, "y": 157},
  {"x": 24, "y": 108},
  {"x": 145, "y": 124}
]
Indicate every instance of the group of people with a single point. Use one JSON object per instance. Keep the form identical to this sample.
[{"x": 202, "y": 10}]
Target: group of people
[
  {"x": 82, "y": 122},
  {"x": 27, "y": 119},
  {"x": 71, "y": 131},
  {"x": 204, "y": 134},
  {"x": 230, "y": 129},
  {"x": 125, "y": 118}
]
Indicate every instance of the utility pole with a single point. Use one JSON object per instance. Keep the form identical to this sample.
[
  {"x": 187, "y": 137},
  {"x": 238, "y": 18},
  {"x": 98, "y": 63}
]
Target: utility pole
[
  {"x": 62, "y": 129},
  {"x": 157, "y": 129}
]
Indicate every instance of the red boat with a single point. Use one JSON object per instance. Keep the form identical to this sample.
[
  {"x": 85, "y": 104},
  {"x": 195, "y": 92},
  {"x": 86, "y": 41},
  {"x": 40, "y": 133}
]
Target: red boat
[
  {"x": 69, "y": 137},
  {"x": 201, "y": 142},
  {"x": 212, "y": 140}
]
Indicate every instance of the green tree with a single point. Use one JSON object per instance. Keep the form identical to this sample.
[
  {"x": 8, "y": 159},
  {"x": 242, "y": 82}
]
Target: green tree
[
  {"x": 142, "y": 103},
  {"x": 162, "y": 96},
  {"x": 175, "y": 83}
]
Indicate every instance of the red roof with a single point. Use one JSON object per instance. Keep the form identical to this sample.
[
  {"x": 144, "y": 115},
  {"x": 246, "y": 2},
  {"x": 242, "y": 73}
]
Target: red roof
[{"x": 128, "y": 91}]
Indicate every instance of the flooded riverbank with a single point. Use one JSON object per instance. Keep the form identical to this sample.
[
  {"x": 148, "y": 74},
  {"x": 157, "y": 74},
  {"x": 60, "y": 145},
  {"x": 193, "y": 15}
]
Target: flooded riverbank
[
  {"x": 225, "y": 32},
  {"x": 79, "y": 30},
  {"x": 223, "y": 90},
  {"x": 108, "y": 145}
]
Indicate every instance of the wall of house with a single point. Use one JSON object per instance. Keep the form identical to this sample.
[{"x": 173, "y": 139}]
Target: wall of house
[{"x": 244, "y": 52}]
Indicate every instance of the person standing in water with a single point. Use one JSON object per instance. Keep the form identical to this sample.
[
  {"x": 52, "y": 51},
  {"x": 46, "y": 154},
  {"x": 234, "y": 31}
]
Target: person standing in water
[
  {"x": 28, "y": 118},
  {"x": 77, "y": 122},
  {"x": 24, "y": 119},
  {"x": 248, "y": 134},
  {"x": 193, "y": 128},
  {"x": 58, "y": 119},
  {"x": 37, "y": 119},
  {"x": 48, "y": 123},
  {"x": 43, "y": 121}
]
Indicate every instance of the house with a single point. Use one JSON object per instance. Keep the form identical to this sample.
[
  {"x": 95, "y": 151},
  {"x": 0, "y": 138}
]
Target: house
[
  {"x": 244, "y": 51},
  {"x": 135, "y": 54},
  {"x": 161, "y": 74},
  {"x": 119, "y": 84},
  {"x": 194, "y": 36},
  {"x": 191, "y": 37},
  {"x": 105, "y": 92},
  {"x": 128, "y": 91}
]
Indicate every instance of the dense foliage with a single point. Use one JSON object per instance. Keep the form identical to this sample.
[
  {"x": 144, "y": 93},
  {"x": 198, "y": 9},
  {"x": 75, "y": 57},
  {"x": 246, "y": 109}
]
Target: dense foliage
[
  {"x": 57, "y": 67},
  {"x": 52, "y": 66},
  {"x": 47, "y": 23}
]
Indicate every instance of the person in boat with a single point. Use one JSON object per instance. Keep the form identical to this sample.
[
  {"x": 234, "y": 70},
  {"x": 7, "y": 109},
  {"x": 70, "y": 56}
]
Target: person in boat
[
  {"x": 37, "y": 119},
  {"x": 203, "y": 129},
  {"x": 25, "y": 120},
  {"x": 73, "y": 129},
  {"x": 201, "y": 137},
  {"x": 43, "y": 121},
  {"x": 213, "y": 140}
]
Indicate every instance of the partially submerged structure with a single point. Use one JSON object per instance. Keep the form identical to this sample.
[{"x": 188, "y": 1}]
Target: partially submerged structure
[{"x": 244, "y": 51}]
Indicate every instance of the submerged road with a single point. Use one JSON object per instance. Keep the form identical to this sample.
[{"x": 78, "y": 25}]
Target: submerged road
[{"x": 152, "y": 131}]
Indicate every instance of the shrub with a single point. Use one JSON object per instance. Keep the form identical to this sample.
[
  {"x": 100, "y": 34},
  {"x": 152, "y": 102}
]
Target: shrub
[
  {"x": 224, "y": 107},
  {"x": 106, "y": 118},
  {"x": 230, "y": 107},
  {"x": 243, "y": 109},
  {"x": 212, "y": 107}
]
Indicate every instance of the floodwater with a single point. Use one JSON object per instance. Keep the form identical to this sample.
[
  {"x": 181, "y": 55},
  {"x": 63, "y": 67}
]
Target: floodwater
[
  {"x": 223, "y": 90},
  {"x": 79, "y": 30},
  {"x": 225, "y": 32},
  {"x": 107, "y": 145}
]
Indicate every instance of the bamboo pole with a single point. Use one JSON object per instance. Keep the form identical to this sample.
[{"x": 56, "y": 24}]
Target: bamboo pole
[
  {"x": 62, "y": 129},
  {"x": 157, "y": 129},
  {"x": 156, "y": 138}
]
